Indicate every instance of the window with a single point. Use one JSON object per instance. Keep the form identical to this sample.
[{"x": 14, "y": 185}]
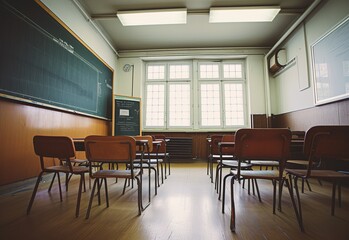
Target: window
[
  {"x": 168, "y": 95},
  {"x": 216, "y": 88},
  {"x": 222, "y": 95}
]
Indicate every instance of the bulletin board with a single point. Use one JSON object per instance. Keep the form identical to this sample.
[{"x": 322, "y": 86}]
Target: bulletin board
[
  {"x": 330, "y": 56},
  {"x": 127, "y": 116}
]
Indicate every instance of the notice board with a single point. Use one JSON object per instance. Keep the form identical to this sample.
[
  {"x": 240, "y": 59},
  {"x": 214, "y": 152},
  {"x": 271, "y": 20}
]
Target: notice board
[
  {"x": 44, "y": 63},
  {"x": 127, "y": 116}
]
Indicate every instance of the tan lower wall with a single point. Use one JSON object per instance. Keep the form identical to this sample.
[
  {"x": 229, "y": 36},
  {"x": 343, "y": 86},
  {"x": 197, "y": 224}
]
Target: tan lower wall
[{"x": 20, "y": 122}]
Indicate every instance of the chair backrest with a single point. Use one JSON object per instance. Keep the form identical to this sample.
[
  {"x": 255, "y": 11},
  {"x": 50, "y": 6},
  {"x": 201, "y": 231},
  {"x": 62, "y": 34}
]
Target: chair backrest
[
  {"x": 214, "y": 148},
  {"x": 228, "y": 150},
  {"x": 60, "y": 147},
  {"x": 159, "y": 136},
  {"x": 329, "y": 142},
  {"x": 150, "y": 142},
  {"x": 161, "y": 148},
  {"x": 263, "y": 144},
  {"x": 110, "y": 148}
]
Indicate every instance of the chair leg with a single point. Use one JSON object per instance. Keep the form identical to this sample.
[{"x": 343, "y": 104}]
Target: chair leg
[
  {"x": 223, "y": 194},
  {"x": 333, "y": 203},
  {"x": 281, "y": 183},
  {"x": 140, "y": 202},
  {"x": 220, "y": 182},
  {"x": 60, "y": 188},
  {"x": 169, "y": 166},
  {"x": 99, "y": 185},
  {"x": 300, "y": 218},
  {"x": 51, "y": 184},
  {"x": 302, "y": 185},
  {"x": 339, "y": 195},
  {"x": 34, "y": 193},
  {"x": 106, "y": 191},
  {"x": 79, "y": 195},
  {"x": 274, "y": 196},
  {"x": 211, "y": 170},
  {"x": 162, "y": 173},
  {"x": 91, "y": 198},
  {"x": 123, "y": 191},
  {"x": 290, "y": 190},
  {"x": 257, "y": 189},
  {"x": 232, "y": 217},
  {"x": 306, "y": 180}
]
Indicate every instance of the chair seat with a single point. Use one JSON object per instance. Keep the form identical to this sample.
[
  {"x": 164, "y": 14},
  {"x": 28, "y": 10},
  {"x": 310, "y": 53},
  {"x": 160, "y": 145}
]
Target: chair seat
[
  {"x": 265, "y": 163},
  {"x": 79, "y": 161},
  {"x": 217, "y": 156},
  {"x": 66, "y": 169},
  {"x": 327, "y": 174},
  {"x": 234, "y": 164},
  {"x": 261, "y": 174},
  {"x": 299, "y": 162},
  {"x": 115, "y": 173}
]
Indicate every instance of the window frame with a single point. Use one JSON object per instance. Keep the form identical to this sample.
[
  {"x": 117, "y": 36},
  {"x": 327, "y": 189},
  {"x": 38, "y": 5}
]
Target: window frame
[
  {"x": 167, "y": 81},
  {"x": 195, "y": 99}
]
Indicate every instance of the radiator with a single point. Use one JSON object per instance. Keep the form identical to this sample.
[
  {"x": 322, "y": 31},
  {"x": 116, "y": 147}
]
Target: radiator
[{"x": 180, "y": 148}]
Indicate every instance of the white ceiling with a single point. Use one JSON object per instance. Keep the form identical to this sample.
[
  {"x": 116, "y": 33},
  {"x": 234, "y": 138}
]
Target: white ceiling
[{"x": 198, "y": 32}]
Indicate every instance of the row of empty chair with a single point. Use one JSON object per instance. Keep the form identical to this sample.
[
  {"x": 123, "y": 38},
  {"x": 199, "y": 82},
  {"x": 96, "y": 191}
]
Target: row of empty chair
[
  {"x": 104, "y": 156},
  {"x": 321, "y": 143}
]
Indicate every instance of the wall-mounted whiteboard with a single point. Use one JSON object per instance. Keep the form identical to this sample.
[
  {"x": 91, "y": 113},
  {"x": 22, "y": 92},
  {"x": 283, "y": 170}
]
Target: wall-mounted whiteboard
[{"x": 330, "y": 55}]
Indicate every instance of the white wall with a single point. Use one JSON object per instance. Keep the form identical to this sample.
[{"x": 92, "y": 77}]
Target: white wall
[
  {"x": 254, "y": 73},
  {"x": 288, "y": 90},
  {"x": 66, "y": 11}
]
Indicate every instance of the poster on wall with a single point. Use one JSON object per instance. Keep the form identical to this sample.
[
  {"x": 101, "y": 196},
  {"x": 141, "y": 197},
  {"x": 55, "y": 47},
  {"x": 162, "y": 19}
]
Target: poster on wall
[
  {"x": 330, "y": 55},
  {"x": 127, "y": 116}
]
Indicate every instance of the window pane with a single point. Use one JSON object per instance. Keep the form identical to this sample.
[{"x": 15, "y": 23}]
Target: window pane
[
  {"x": 179, "y": 105},
  {"x": 156, "y": 72},
  {"x": 179, "y": 71},
  {"x": 155, "y": 109},
  {"x": 233, "y": 104},
  {"x": 209, "y": 71},
  {"x": 232, "y": 70},
  {"x": 210, "y": 105}
]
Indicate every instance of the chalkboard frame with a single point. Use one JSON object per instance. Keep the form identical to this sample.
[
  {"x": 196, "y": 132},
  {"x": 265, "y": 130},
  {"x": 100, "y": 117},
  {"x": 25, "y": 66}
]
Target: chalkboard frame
[
  {"x": 330, "y": 75},
  {"x": 127, "y": 116},
  {"x": 103, "y": 86}
]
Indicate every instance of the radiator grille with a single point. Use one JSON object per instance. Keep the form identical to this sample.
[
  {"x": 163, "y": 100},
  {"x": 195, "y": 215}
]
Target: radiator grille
[{"x": 180, "y": 148}]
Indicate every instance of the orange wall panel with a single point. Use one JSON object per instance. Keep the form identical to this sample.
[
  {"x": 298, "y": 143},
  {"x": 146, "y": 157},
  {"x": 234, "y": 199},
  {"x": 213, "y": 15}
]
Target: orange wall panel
[{"x": 20, "y": 122}]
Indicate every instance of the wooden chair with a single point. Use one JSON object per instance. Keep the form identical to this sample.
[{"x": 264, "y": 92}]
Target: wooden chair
[
  {"x": 227, "y": 160},
  {"x": 263, "y": 144},
  {"x": 112, "y": 149},
  {"x": 214, "y": 155},
  {"x": 325, "y": 143},
  {"x": 57, "y": 147},
  {"x": 144, "y": 158},
  {"x": 159, "y": 156},
  {"x": 163, "y": 153},
  {"x": 302, "y": 161}
]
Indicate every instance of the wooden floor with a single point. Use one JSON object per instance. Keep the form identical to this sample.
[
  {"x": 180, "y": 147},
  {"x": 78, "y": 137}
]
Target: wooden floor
[{"x": 186, "y": 207}]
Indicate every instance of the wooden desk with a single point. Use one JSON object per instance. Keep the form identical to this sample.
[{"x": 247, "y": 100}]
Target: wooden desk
[{"x": 79, "y": 144}]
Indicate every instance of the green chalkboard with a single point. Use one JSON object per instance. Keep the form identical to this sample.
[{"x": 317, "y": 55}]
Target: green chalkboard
[
  {"x": 127, "y": 116},
  {"x": 42, "y": 62}
]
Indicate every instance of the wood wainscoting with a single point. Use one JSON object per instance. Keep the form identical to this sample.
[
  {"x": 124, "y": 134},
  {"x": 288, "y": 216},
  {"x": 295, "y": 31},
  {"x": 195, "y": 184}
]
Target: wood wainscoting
[
  {"x": 336, "y": 113},
  {"x": 19, "y": 122},
  {"x": 200, "y": 149}
]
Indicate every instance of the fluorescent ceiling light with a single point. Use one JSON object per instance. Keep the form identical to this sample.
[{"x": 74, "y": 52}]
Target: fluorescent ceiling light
[
  {"x": 243, "y": 14},
  {"x": 153, "y": 17}
]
